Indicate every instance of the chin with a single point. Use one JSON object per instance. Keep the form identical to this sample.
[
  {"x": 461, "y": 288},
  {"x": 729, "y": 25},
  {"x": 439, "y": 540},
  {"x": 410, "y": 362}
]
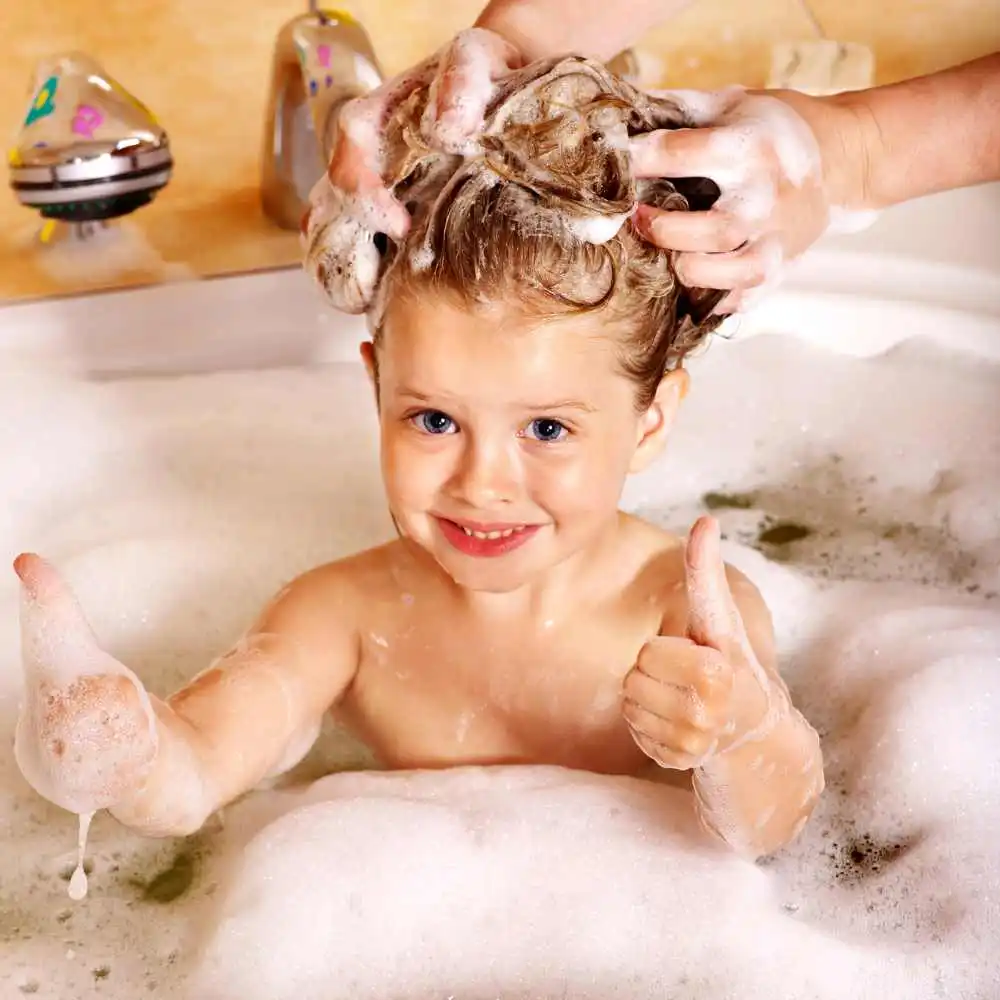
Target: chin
[{"x": 487, "y": 576}]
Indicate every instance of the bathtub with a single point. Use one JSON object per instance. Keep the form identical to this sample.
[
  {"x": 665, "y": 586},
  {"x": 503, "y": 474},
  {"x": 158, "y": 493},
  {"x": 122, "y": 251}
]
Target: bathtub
[{"x": 212, "y": 506}]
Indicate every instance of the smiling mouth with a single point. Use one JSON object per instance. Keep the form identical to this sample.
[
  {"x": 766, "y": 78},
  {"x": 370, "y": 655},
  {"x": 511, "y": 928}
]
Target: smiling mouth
[
  {"x": 493, "y": 533},
  {"x": 485, "y": 539}
]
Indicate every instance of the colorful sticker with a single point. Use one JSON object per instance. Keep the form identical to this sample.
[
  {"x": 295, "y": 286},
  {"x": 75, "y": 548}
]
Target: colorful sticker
[
  {"x": 44, "y": 103},
  {"x": 86, "y": 120},
  {"x": 323, "y": 51}
]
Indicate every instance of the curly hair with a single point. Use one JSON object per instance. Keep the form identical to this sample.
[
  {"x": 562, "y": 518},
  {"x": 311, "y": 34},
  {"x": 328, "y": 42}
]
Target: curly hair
[{"x": 537, "y": 215}]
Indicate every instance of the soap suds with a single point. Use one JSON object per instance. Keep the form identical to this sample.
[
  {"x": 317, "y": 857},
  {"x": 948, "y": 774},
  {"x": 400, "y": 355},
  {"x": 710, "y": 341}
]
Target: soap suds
[
  {"x": 176, "y": 508},
  {"x": 78, "y": 880},
  {"x": 847, "y": 221}
]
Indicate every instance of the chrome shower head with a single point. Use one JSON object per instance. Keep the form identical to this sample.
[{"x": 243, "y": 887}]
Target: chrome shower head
[{"x": 88, "y": 150}]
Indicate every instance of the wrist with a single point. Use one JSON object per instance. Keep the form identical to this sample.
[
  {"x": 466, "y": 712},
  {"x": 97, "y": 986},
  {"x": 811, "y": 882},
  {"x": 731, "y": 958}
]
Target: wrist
[
  {"x": 860, "y": 154},
  {"x": 519, "y": 24},
  {"x": 849, "y": 144},
  {"x": 760, "y": 711}
]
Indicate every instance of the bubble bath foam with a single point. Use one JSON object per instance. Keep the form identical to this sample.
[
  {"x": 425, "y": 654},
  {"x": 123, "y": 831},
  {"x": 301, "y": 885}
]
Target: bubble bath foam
[{"x": 858, "y": 493}]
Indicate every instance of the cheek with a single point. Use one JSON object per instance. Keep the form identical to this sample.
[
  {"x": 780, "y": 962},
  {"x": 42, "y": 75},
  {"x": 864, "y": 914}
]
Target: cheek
[
  {"x": 411, "y": 472},
  {"x": 588, "y": 480}
]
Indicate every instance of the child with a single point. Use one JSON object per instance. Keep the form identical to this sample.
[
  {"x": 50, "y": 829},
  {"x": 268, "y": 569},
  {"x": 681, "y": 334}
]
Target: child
[{"x": 525, "y": 358}]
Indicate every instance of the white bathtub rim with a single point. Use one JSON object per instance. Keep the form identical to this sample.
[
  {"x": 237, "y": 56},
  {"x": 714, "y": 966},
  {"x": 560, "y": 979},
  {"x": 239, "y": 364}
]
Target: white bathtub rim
[{"x": 857, "y": 303}]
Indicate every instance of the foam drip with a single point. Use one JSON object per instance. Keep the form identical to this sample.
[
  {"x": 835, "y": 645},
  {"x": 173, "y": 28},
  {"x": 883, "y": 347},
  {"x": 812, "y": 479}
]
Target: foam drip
[
  {"x": 78, "y": 880},
  {"x": 177, "y": 507}
]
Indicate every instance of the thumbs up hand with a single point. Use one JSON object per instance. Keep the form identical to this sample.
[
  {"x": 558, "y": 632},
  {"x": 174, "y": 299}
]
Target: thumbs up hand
[
  {"x": 86, "y": 736},
  {"x": 690, "y": 699}
]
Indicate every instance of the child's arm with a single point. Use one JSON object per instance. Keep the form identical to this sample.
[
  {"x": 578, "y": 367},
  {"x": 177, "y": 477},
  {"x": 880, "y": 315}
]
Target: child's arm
[
  {"x": 715, "y": 703},
  {"x": 90, "y": 737}
]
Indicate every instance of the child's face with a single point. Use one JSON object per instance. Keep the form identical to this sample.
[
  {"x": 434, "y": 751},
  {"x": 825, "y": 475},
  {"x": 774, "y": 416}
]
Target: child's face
[{"x": 503, "y": 427}]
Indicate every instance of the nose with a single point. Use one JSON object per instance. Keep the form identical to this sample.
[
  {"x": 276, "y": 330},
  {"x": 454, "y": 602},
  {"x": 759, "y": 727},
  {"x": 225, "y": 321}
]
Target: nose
[{"x": 487, "y": 474}]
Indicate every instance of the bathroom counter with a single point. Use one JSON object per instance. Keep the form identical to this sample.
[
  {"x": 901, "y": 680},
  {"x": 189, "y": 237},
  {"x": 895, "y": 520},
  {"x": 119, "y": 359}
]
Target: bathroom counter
[{"x": 169, "y": 240}]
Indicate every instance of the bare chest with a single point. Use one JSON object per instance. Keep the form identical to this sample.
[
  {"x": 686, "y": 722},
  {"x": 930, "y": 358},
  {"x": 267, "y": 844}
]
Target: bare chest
[{"x": 436, "y": 697}]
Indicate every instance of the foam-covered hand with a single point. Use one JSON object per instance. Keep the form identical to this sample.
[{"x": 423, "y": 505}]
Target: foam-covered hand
[
  {"x": 689, "y": 699},
  {"x": 774, "y": 158},
  {"x": 86, "y": 734},
  {"x": 354, "y": 196}
]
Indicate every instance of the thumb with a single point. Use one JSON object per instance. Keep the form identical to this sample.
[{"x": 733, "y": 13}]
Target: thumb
[
  {"x": 713, "y": 619},
  {"x": 56, "y": 638}
]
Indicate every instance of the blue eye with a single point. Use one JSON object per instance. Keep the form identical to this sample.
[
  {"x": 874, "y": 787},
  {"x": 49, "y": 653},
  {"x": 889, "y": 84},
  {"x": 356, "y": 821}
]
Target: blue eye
[
  {"x": 434, "y": 422},
  {"x": 546, "y": 429}
]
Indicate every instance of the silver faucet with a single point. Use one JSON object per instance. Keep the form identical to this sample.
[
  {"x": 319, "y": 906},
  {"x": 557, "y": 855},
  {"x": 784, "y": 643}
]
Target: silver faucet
[
  {"x": 88, "y": 150},
  {"x": 321, "y": 59}
]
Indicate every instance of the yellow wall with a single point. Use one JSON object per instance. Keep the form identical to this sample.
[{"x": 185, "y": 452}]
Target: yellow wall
[{"x": 203, "y": 65}]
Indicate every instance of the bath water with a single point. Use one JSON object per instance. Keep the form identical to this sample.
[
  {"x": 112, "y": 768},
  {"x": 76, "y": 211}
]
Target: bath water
[{"x": 860, "y": 495}]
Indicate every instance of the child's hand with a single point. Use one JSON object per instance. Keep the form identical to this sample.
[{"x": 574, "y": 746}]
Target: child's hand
[
  {"x": 689, "y": 699},
  {"x": 86, "y": 735}
]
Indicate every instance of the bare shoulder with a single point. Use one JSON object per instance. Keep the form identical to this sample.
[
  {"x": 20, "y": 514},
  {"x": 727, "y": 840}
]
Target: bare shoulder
[
  {"x": 663, "y": 574},
  {"x": 331, "y": 598},
  {"x": 654, "y": 561}
]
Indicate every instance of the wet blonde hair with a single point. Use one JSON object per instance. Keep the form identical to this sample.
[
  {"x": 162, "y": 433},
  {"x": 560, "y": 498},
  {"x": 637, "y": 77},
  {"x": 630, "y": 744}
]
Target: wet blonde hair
[{"x": 519, "y": 222}]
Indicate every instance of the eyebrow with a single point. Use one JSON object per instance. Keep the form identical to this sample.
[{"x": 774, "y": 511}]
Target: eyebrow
[{"x": 560, "y": 404}]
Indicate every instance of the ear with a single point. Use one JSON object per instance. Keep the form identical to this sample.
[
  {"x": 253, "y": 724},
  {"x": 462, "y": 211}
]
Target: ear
[
  {"x": 369, "y": 360},
  {"x": 367, "y": 350},
  {"x": 655, "y": 424}
]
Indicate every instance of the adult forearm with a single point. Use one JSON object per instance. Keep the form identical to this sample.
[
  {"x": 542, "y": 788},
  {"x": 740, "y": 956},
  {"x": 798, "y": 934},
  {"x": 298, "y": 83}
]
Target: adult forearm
[
  {"x": 595, "y": 28},
  {"x": 929, "y": 134}
]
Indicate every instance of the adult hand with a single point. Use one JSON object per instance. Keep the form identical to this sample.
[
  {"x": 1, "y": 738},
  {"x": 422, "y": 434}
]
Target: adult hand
[
  {"x": 353, "y": 195},
  {"x": 783, "y": 163}
]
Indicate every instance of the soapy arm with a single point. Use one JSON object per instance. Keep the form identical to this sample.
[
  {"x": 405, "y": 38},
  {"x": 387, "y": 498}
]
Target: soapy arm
[
  {"x": 713, "y": 702},
  {"x": 90, "y": 737},
  {"x": 791, "y": 167}
]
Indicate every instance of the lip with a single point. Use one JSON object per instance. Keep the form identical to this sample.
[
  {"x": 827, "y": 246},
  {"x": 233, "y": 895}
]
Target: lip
[{"x": 455, "y": 533}]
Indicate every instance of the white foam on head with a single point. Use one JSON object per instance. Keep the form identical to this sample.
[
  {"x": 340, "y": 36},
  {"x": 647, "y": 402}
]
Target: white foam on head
[
  {"x": 594, "y": 228},
  {"x": 457, "y": 129},
  {"x": 452, "y": 880}
]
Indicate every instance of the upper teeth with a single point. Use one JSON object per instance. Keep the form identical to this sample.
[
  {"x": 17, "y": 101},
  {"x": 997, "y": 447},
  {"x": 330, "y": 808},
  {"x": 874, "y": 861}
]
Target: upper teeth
[{"x": 506, "y": 533}]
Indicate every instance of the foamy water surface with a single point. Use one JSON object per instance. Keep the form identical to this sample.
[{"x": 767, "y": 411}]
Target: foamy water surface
[{"x": 861, "y": 496}]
